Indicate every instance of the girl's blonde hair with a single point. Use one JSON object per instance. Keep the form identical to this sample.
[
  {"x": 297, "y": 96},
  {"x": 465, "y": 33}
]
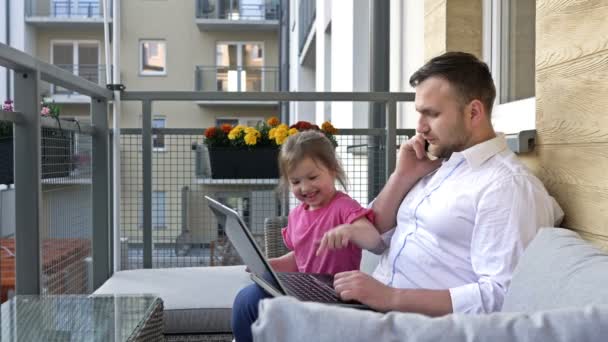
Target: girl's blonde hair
[{"x": 309, "y": 144}]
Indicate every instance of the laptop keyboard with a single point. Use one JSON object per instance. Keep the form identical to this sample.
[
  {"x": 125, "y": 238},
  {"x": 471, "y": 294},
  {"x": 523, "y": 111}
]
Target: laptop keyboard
[{"x": 306, "y": 288}]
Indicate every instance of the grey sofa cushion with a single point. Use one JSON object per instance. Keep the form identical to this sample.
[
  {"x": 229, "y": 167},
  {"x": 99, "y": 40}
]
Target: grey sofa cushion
[
  {"x": 558, "y": 270},
  {"x": 286, "y": 319},
  {"x": 196, "y": 299}
]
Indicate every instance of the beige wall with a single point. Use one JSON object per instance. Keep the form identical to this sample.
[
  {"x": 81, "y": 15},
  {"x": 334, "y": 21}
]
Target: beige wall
[
  {"x": 452, "y": 25},
  {"x": 187, "y": 47},
  {"x": 572, "y": 111}
]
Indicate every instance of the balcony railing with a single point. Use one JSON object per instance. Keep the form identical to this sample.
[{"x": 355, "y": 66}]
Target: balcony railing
[
  {"x": 62, "y": 189},
  {"x": 239, "y": 79},
  {"x": 245, "y": 10},
  {"x": 306, "y": 17},
  {"x": 65, "y": 8},
  {"x": 91, "y": 72}
]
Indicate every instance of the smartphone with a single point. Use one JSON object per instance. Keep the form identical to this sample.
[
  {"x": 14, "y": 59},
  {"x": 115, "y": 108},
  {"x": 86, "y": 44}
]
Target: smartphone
[{"x": 426, "y": 145}]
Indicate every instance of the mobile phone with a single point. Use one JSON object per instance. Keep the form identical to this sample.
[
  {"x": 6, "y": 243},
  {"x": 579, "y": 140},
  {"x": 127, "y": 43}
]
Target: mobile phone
[{"x": 426, "y": 145}]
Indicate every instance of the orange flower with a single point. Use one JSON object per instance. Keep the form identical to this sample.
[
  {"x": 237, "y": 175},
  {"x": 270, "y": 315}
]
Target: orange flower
[
  {"x": 329, "y": 128},
  {"x": 210, "y": 132},
  {"x": 226, "y": 128},
  {"x": 273, "y": 121}
]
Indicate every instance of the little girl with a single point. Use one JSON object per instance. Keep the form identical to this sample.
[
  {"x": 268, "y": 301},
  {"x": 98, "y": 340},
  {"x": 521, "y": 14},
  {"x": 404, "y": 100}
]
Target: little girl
[{"x": 308, "y": 164}]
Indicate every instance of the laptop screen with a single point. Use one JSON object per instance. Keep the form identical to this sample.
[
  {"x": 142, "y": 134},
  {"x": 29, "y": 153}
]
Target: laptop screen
[{"x": 244, "y": 243}]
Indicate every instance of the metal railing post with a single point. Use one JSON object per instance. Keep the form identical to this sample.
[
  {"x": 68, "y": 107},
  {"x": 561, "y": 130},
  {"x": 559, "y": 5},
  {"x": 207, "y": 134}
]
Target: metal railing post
[
  {"x": 100, "y": 192},
  {"x": 146, "y": 142},
  {"x": 391, "y": 137},
  {"x": 28, "y": 190}
]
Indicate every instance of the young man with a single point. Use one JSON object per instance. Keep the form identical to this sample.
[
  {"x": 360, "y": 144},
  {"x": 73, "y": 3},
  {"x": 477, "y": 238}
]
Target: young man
[{"x": 456, "y": 226}]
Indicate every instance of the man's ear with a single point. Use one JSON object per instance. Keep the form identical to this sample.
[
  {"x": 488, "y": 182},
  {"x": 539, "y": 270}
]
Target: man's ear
[{"x": 477, "y": 112}]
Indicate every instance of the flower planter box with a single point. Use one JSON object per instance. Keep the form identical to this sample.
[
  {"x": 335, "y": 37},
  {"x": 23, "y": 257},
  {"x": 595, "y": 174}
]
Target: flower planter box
[
  {"x": 234, "y": 163},
  {"x": 57, "y": 148},
  {"x": 6, "y": 160},
  {"x": 56, "y": 155}
]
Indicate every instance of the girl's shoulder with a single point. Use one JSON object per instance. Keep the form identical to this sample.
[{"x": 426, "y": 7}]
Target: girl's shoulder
[{"x": 344, "y": 200}]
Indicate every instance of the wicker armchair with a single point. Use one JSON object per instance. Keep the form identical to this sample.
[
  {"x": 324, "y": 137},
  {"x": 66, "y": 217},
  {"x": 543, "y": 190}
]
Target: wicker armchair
[
  {"x": 224, "y": 254},
  {"x": 273, "y": 240}
]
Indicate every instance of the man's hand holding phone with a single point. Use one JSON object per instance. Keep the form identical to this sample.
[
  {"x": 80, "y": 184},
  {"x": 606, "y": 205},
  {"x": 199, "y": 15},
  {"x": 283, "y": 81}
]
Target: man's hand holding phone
[{"x": 413, "y": 159}]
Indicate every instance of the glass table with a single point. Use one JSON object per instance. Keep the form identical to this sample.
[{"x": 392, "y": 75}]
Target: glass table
[{"x": 82, "y": 318}]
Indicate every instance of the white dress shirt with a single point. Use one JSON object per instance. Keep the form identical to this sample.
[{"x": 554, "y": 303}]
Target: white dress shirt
[{"x": 464, "y": 227}]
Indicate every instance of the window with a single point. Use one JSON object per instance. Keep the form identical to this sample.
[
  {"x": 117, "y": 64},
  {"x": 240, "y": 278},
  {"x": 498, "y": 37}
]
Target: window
[
  {"x": 78, "y": 57},
  {"x": 252, "y": 122},
  {"x": 153, "y": 56},
  {"x": 240, "y": 66},
  {"x": 158, "y": 210},
  {"x": 158, "y": 140},
  {"x": 509, "y": 50}
]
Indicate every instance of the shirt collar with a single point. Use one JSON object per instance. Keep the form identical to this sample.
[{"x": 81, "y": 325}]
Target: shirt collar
[{"x": 478, "y": 154}]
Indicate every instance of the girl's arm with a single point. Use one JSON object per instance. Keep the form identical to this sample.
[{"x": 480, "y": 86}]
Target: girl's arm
[
  {"x": 361, "y": 232},
  {"x": 285, "y": 263}
]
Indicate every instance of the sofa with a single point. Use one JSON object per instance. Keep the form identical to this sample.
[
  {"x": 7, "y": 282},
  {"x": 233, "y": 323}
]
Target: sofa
[
  {"x": 558, "y": 293},
  {"x": 559, "y": 287},
  {"x": 197, "y": 300}
]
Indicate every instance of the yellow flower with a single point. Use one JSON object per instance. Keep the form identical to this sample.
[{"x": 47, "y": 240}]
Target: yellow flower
[
  {"x": 236, "y": 132},
  {"x": 281, "y": 139},
  {"x": 251, "y": 138},
  {"x": 281, "y": 134},
  {"x": 273, "y": 121},
  {"x": 293, "y": 131},
  {"x": 251, "y": 130},
  {"x": 271, "y": 133}
]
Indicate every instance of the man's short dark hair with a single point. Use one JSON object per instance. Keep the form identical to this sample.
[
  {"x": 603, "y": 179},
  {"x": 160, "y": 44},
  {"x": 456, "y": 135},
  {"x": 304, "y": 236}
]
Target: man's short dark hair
[{"x": 466, "y": 73}]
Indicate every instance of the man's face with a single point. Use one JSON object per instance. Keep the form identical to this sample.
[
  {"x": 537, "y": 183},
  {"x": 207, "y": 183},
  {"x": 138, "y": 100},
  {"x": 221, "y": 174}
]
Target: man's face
[{"x": 443, "y": 118}]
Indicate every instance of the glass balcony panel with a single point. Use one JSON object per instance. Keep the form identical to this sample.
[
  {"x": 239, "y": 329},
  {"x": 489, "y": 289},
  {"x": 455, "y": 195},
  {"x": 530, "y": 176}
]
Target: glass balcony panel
[
  {"x": 65, "y": 8},
  {"x": 228, "y": 78},
  {"x": 238, "y": 9}
]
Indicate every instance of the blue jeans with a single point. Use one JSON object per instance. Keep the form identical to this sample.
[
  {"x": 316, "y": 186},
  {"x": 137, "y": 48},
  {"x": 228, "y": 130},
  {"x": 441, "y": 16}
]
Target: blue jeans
[{"x": 245, "y": 311}]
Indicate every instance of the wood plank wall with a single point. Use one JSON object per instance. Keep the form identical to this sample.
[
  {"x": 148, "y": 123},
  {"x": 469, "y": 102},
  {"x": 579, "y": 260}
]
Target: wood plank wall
[
  {"x": 452, "y": 25},
  {"x": 571, "y": 157}
]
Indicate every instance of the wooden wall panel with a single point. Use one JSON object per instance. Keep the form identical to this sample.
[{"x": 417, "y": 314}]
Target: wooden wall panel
[
  {"x": 572, "y": 101},
  {"x": 569, "y": 29},
  {"x": 452, "y": 25},
  {"x": 434, "y": 28},
  {"x": 571, "y": 157},
  {"x": 465, "y": 26}
]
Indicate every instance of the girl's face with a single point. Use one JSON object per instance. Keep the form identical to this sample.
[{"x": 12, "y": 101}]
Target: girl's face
[{"x": 312, "y": 183}]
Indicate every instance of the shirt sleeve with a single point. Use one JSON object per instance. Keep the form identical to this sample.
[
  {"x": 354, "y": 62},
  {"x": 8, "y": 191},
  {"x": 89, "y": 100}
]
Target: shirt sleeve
[
  {"x": 508, "y": 216},
  {"x": 351, "y": 211},
  {"x": 286, "y": 235}
]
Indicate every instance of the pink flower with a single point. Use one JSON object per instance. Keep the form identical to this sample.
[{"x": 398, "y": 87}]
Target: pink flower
[
  {"x": 45, "y": 111},
  {"x": 7, "y": 106}
]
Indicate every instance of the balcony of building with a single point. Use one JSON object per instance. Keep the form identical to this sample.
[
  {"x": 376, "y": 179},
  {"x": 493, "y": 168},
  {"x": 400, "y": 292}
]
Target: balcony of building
[
  {"x": 68, "y": 14},
  {"x": 236, "y": 79},
  {"x": 90, "y": 72},
  {"x": 237, "y": 15}
]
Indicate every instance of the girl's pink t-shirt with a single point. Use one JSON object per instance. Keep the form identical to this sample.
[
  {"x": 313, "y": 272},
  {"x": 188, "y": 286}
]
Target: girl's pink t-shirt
[{"x": 305, "y": 228}]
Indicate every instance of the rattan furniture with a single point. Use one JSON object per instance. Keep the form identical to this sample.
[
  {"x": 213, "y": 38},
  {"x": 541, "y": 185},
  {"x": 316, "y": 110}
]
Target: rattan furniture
[{"x": 73, "y": 318}]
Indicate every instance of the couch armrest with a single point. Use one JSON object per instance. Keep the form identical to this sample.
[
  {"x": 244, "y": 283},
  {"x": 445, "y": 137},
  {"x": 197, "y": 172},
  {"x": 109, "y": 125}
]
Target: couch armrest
[
  {"x": 273, "y": 240},
  {"x": 286, "y": 319}
]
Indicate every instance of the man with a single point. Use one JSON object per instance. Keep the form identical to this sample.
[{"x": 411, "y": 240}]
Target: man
[{"x": 455, "y": 226}]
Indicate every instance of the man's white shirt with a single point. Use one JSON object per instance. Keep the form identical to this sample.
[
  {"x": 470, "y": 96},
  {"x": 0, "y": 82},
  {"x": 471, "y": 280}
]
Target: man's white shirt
[{"x": 464, "y": 227}]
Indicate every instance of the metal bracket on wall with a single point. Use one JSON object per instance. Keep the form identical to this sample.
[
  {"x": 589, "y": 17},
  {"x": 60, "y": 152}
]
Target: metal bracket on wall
[{"x": 522, "y": 142}]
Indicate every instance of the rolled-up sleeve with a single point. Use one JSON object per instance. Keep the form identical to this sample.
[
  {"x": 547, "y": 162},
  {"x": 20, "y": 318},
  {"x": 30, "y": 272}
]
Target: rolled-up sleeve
[{"x": 509, "y": 214}]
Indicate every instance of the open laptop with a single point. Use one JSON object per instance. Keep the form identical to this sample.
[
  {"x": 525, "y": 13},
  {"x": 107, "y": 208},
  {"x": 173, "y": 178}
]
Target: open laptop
[{"x": 304, "y": 286}]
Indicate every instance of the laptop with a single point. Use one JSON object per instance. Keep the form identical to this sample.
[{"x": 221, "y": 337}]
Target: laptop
[{"x": 303, "y": 286}]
